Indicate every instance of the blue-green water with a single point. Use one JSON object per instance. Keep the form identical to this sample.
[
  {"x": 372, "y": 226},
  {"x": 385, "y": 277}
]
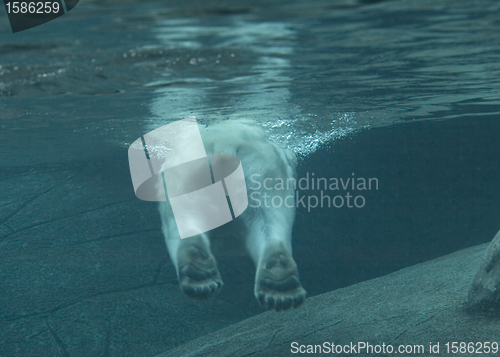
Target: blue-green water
[
  {"x": 405, "y": 91},
  {"x": 308, "y": 71}
]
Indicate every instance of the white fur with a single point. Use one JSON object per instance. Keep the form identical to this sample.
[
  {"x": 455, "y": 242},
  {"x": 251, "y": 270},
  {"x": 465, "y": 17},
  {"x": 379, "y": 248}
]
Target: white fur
[{"x": 268, "y": 229}]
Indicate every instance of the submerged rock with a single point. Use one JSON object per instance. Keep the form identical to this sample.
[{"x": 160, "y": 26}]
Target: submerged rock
[
  {"x": 484, "y": 293},
  {"x": 419, "y": 308}
]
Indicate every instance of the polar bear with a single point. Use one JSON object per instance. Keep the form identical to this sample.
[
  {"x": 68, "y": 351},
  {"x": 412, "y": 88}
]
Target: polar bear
[{"x": 267, "y": 228}]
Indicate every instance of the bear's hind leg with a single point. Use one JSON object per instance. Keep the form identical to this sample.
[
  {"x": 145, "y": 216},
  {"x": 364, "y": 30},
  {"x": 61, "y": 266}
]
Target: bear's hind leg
[
  {"x": 196, "y": 266},
  {"x": 277, "y": 284}
]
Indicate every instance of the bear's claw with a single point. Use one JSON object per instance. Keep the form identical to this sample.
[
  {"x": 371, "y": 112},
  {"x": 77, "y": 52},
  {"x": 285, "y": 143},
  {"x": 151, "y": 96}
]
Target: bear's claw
[{"x": 281, "y": 303}]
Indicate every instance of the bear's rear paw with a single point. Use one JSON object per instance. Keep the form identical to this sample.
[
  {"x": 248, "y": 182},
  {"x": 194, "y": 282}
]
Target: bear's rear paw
[
  {"x": 277, "y": 286},
  {"x": 199, "y": 278}
]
